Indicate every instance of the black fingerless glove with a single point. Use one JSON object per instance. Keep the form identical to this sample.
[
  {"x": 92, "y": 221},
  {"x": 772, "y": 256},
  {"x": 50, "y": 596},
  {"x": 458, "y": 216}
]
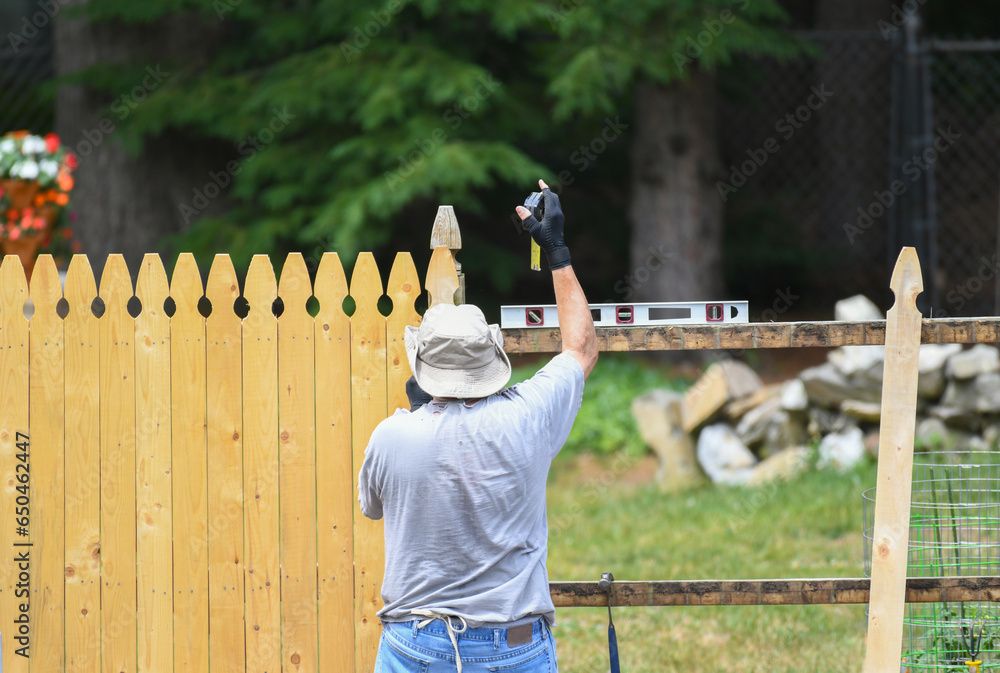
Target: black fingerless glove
[
  {"x": 416, "y": 395},
  {"x": 548, "y": 233}
]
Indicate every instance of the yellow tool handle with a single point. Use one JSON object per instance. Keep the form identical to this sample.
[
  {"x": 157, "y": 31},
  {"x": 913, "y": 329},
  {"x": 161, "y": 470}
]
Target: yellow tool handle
[
  {"x": 536, "y": 256},
  {"x": 974, "y": 666}
]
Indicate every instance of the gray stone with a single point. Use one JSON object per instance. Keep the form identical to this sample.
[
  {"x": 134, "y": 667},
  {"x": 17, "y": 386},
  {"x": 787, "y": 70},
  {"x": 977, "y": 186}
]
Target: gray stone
[
  {"x": 980, "y": 359},
  {"x": 991, "y": 435},
  {"x": 827, "y": 387},
  {"x": 784, "y": 430},
  {"x": 723, "y": 457},
  {"x": 981, "y": 394},
  {"x": 753, "y": 425},
  {"x": 871, "y": 443},
  {"x": 793, "y": 396},
  {"x": 658, "y": 418},
  {"x": 722, "y": 382},
  {"x": 931, "y": 433},
  {"x": 858, "y": 361},
  {"x": 957, "y": 418},
  {"x": 823, "y": 421},
  {"x": 931, "y": 364},
  {"x": 856, "y": 309},
  {"x": 867, "y": 412},
  {"x": 782, "y": 466},
  {"x": 842, "y": 450}
]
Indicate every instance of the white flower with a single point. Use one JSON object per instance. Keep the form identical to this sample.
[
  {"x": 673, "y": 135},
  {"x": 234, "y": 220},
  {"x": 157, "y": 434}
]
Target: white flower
[
  {"x": 26, "y": 170},
  {"x": 49, "y": 167},
  {"x": 33, "y": 145},
  {"x": 7, "y": 146}
]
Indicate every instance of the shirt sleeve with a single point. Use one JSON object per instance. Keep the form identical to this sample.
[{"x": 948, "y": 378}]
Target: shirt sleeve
[
  {"x": 369, "y": 491},
  {"x": 554, "y": 396}
]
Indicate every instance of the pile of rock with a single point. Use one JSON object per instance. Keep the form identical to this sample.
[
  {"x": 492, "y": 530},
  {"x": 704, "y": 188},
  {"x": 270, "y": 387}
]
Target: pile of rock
[{"x": 733, "y": 429}]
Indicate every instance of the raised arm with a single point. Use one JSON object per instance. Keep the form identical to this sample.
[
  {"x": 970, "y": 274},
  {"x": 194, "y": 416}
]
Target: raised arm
[{"x": 576, "y": 325}]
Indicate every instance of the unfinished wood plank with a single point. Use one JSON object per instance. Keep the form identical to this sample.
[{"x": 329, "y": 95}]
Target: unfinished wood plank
[
  {"x": 442, "y": 278},
  {"x": 404, "y": 289},
  {"x": 297, "y": 455},
  {"x": 840, "y": 591},
  {"x": 820, "y": 334},
  {"x": 368, "y": 402},
  {"x": 190, "y": 485},
  {"x": 260, "y": 470},
  {"x": 14, "y": 440},
  {"x": 154, "y": 511},
  {"x": 83, "y": 460},
  {"x": 117, "y": 387},
  {"x": 224, "y": 398},
  {"x": 890, "y": 537},
  {"x": 334, "y": 504},
  {"x": 48, "y": 484}
]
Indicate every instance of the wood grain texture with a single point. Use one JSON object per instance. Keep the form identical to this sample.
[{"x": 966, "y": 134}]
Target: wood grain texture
[
  {"x": 154, "y": 484},
  {"x": 260, "y": 471},
  {"x": 821, "y": 334},
  {"x": 768, "y": 592},
  {"x": 117, "y": 383},
  {"x": 190, "y": 484},
  {"x": 334, "y": 502},
  {"x": 14, "y": 353},
  {"x": 442, "y": 278},
  {"x": 47, "y": 388},
  {"x": 224, "y": 404},
  {"x": 404, "y": 289},
  {"x": 297, "y": 486},
  {"x": 368, "y": 403},
  {"x": 890, "y": 534}
]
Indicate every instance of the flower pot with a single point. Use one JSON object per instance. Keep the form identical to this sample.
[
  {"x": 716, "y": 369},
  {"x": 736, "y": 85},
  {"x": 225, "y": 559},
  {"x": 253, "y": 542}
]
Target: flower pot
[
  {"x": 21, "y": 193},
  {"x": 25, "y": 247}
]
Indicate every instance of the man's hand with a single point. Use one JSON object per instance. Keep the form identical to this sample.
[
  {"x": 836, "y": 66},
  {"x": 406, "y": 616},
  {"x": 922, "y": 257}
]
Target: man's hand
[
  {"x": 548, "y": 233},
  {"x": 576, "y": 325}
]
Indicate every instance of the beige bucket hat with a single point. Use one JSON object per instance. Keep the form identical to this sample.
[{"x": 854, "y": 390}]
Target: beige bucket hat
[{"x": 455, "y": 353}]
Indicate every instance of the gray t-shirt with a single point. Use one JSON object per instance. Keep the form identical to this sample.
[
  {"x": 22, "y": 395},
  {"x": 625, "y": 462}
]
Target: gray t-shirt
[{"x": 462, "y": 489}]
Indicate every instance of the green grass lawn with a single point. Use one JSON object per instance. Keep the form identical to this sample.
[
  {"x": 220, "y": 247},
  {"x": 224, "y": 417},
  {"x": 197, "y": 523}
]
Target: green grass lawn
[{"x": 601, "y": 519}]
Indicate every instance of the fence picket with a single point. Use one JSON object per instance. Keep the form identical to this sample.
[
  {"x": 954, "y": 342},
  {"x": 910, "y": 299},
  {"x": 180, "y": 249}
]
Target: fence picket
[
  {"x": 260, "y": 470},
  {"x": 368, "y": 402},
  {"x": 404, "y": 289},
  {"x": 83, "y": 544},
  {"x": 224, "y": 392},
  {"x": 334, "y": 504},
  {"x": 47, "y": 476},
  {"x": 298, "y": 469},
  {"x": 187, "y": 398},
  {"x": 442, "y": 277},
  {"x": 13, "y": 420},
  {"x": 154, "y": 508},
  {"x": 117, "y": 387}
]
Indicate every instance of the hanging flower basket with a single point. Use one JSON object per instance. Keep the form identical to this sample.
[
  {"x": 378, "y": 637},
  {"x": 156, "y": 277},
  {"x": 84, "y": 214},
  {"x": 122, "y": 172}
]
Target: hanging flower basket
[{"x": 35, "y": 182}]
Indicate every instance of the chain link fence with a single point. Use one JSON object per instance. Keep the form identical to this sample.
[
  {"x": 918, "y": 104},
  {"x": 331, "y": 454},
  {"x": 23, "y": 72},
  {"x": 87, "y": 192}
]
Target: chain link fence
[{"x": 26, "y": 66}]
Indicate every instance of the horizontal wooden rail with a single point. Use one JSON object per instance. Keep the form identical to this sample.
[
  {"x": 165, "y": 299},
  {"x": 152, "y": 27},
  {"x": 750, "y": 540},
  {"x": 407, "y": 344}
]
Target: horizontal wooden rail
[
  {"x": 769, "y": 592},
  {"x": 822, "y": 334}
]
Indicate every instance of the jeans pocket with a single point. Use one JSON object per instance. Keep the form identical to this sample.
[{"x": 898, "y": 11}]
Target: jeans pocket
[
  {"x": 393, "y": 658},
  {"x": 534, "y": 661}
]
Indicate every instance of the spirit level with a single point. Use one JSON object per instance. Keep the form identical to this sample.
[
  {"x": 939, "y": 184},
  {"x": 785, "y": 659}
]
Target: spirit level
[{"x": 633, "y": 315}]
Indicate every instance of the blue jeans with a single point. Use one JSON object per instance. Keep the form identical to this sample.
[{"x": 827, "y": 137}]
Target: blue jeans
[{"x": 406, "y": 649}]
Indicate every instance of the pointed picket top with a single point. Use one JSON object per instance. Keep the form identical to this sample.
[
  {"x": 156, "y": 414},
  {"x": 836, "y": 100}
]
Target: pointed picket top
[
  {"x": 185, "y": 286},
  {"x": 403, "y": 286},
  {"x": 445, "y": 232},
  {"x": 222, "y": 288},
  {"x": 13, "y": 287},
  {"x": 151, "y": 287},
  {"x": 46, "y": 288},
  {"x": 261, "y": 288},
  {"x": 81, "y": 288},
  {"x": 907, "y": 282},
  {"x": 366, "y": 284},
  {"x": 116, "y": 285},
  {"x": 294, "y": 286},
  {"x": 442, "y": 278},
  {"x": 331, "y": 285}
]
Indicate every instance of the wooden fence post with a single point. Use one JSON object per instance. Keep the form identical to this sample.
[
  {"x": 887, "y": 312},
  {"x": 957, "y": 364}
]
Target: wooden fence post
[
  {"x": 890, "y": 537},
  {"x": 445, "y": 234}
]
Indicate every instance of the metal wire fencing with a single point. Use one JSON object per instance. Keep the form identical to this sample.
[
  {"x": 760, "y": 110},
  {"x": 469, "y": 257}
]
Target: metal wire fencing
[{"x": 954, "y": 531}]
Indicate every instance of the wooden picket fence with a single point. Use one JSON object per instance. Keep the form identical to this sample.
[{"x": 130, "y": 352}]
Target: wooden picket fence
[{"x": 188, "y": 506}]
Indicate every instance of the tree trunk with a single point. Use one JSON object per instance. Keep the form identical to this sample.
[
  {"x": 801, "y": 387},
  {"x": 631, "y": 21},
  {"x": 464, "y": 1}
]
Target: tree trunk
[
  {"x": 125, "y": 201},
  {"x": 676, "y": 214}
]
